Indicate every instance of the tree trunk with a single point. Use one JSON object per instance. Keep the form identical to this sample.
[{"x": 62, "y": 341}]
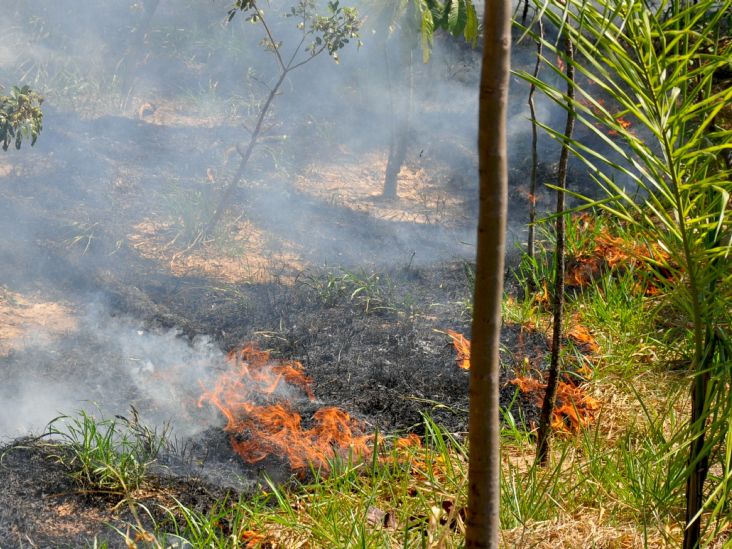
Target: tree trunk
[
  {"x": 698, "y": 456},
  {"x": 228, "y": 191},
  {"x": 534, "y": 150},
  {"x": 401, "y": 105},
  {"x": 483, "y": 524}
]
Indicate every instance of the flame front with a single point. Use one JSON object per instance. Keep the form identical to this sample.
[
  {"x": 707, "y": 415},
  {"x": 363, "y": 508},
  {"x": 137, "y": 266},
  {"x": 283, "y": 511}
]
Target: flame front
[
  {"x": 574, "y": 408},
  {"x": 261, "y": 421},
  {"x": 462, "y": 347}
]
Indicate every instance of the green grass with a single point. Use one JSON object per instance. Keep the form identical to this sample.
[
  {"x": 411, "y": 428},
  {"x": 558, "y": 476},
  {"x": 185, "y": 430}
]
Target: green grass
[
  {"x": 369, "y": 292},
  {"x": 110, "y": 456},
  {"x": 620, "y": 477}
]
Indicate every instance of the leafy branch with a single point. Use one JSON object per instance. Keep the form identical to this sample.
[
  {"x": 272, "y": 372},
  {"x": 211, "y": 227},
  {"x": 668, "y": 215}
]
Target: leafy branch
[
  {"x": 320, "y": 33},
  {"x": 20, "y": 116}
]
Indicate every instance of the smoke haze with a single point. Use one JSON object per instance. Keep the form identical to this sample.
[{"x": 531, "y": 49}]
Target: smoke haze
[{"x": 144, "y": 104}]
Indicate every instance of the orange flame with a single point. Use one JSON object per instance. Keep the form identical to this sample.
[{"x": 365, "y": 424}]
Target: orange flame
[
  {"x": 580, "y": 334},
  {"x": 574, "y": 408},
  {"x": 462, "y": 346},
  {"x": 261, "y": 423},
  {"x": 609, "y": 252}
]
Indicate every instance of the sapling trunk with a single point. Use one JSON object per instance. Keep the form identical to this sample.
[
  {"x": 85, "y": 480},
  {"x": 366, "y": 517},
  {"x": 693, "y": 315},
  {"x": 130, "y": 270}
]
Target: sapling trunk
[
  {"x": 545, "y": 423},
  {"x": 401, "y": 114},
  {"x": 483, "y": 524},
  {"x": 328, "y": 34},
  {"x": 534, "y": 151},
  {"x": 228, "y": 191}
]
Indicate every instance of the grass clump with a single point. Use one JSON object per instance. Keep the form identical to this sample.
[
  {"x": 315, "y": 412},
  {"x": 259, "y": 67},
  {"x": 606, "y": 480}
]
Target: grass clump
[
  {"x": 108, "y": 456},
  {"x": 370, "y": 292}
]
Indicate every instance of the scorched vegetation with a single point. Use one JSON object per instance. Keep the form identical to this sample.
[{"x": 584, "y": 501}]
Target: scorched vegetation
[{"x": 238, "y": 274}]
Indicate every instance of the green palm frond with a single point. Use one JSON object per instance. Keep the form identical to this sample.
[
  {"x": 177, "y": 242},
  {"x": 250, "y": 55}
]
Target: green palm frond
[{"x": 650, "y": 95}]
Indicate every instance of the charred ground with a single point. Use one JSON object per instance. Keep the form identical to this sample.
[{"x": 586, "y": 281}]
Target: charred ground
[{"x": 370, "y": 336}]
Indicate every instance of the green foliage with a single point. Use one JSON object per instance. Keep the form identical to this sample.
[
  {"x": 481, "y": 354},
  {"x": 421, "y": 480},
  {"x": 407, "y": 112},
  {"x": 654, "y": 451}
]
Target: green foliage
[
  {"x": 20, "y": 116},
  {"x": 424, "y": 17},
  {"x": 658, "y": 68},
  {"x": 329, "y": 32},
  {"x": 372, "y": 292},
  {"x": 106, "y": 455}
]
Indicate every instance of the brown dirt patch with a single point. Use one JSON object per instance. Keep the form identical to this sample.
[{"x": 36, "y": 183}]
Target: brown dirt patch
[
  {"x": 23, "y": 317},
  {"x": 423, "y": 196},
  {"x": 6, "y": 169},
  {"x": 167, "y": 113},
  {"x": 246, "y": 256}
]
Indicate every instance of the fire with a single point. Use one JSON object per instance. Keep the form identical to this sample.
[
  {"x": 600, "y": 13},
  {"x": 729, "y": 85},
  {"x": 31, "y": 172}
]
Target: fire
[
  {"x": 462, "y": 346},
  {"x": 580, "y": 334},
  {"x": 609, "y": 252},
  {"x": 574, "y": 408},
  {"x": 260, "y": 418}
]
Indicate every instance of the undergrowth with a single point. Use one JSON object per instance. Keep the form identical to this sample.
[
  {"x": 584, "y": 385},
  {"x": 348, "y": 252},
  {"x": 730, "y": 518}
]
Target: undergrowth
[
  {"x": 612, "y": 483},
  {"x": 102, "y": 455}
]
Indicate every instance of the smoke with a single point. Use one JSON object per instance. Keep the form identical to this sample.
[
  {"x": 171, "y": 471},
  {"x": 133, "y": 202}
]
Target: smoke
[
  {"x": 104, "y": 366},
  {"x": 142, "y": 113}
]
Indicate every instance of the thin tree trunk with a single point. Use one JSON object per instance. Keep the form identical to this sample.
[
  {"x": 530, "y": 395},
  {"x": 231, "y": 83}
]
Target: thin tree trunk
[
  {"x": 483, "y": 524},
  {"x": 245, "y": 156},
  {"x": 534, "y": 151},
  {"x": 542, "y": 445},
  {"x": 698, "y": 458},
  {"x": 402, "y": 116}
]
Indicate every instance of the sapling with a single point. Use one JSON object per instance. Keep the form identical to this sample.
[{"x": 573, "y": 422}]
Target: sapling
[
  {"x": 663, "y": 65},
  {"x": 543, "y": 437},
  {"x": 320, "y": 33}
]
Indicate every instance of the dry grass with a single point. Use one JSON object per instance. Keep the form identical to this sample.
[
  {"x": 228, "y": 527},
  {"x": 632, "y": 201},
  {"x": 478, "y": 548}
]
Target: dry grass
[
  {"x": 357, "y": 182},
  {"x": 586, "y": 528},
  {"x": 23, "y": 317},
  {"x": 249, "y": 258}
]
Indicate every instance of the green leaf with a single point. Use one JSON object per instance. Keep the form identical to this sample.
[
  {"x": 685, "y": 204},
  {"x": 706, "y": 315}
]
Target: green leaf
[
  {"x": 471, "y": 25},
  {"x": 457, "y": 17}
]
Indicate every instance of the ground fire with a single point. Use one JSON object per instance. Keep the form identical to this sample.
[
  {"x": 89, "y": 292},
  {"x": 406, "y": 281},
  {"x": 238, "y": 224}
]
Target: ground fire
[
  {"x": 257, "y": 395},
  {"x": 574, "y": 408}
]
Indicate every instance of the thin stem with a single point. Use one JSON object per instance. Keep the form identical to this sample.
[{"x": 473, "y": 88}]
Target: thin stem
[
  {"x": 260, "y": 14},
  {"x": 301, "y": 63},
  {"x": 226, "y": 195},
  {"x": 297, "y": 50},
  {"x": 547, "y": 409},
  {"x": 534, "y": 148}
]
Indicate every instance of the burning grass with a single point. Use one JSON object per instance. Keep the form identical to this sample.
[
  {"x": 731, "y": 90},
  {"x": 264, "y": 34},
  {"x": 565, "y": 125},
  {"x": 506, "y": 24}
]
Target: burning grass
[
  {"x": 412, "y": 490},
  {"x": 256, "y": 397},
  {"x": 574, "y": 409},
  {"x": 608, "y": 252}
]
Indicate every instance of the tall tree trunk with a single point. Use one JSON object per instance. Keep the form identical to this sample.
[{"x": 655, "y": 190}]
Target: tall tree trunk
[
  {"x": 483, "y": 522},
  {"x": 401, "y": 105},
  {"x": 534, "y": 151},
  {"x": 545, "y": 424}
]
